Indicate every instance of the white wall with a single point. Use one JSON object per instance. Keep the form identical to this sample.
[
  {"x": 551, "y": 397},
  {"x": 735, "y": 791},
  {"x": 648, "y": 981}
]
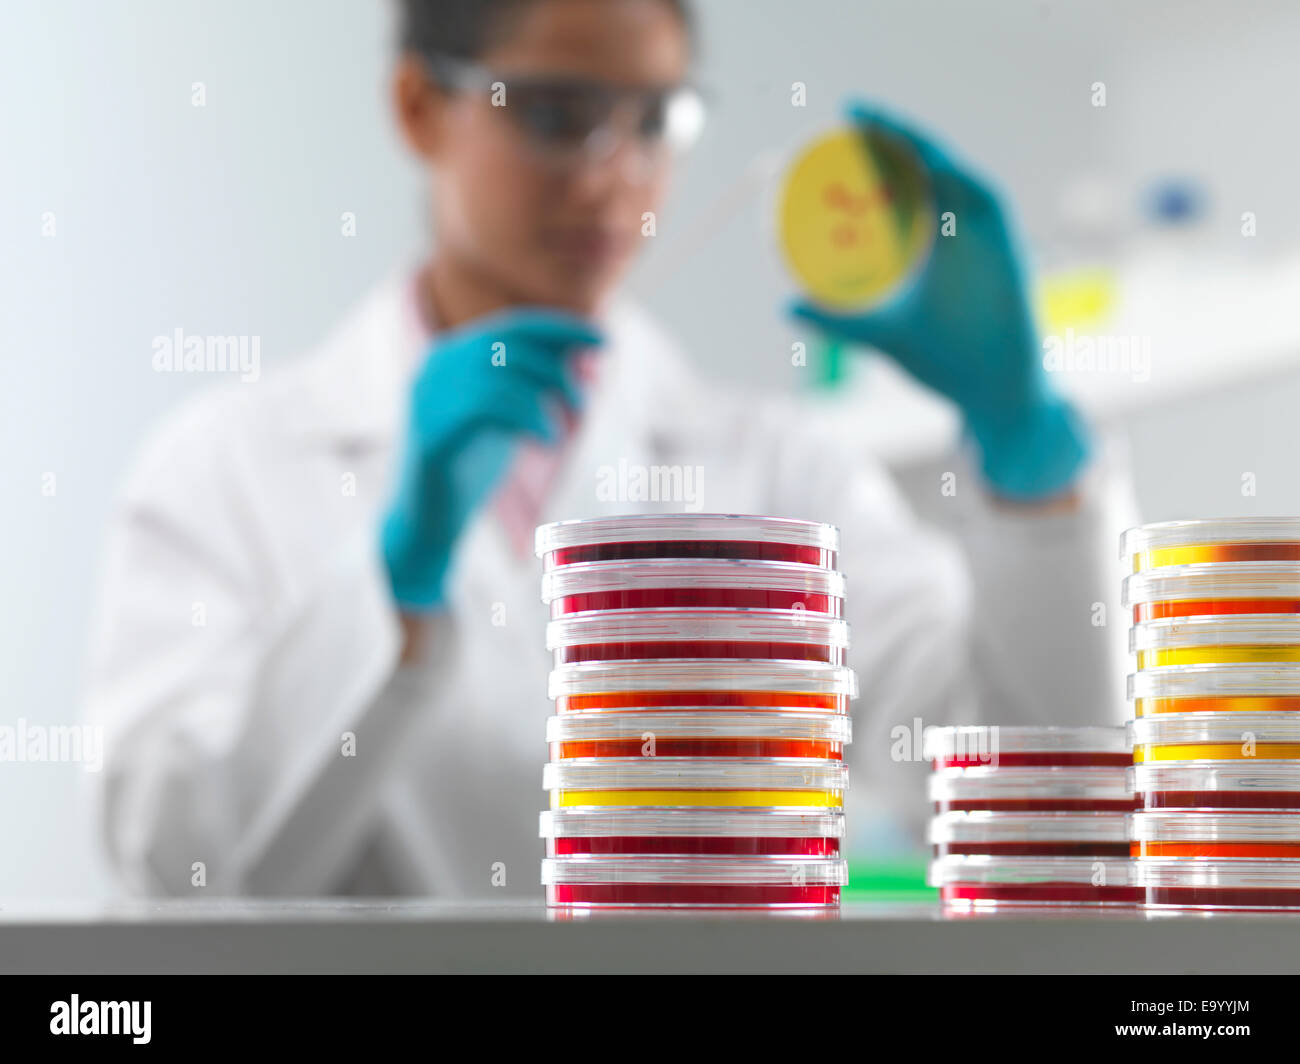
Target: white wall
[{"x": 226, "y": 219}]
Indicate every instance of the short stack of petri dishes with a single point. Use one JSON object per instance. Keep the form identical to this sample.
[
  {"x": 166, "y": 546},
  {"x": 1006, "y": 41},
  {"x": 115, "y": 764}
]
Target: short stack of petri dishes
[
  {"x": 702, "y": 697},
  {"x": 1030, "y": 817},
  {"x": 1216, "y": 694}
]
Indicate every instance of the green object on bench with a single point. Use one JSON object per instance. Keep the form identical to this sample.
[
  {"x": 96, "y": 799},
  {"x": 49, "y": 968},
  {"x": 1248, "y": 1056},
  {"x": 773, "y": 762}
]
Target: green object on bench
[{"x": 900, "y": 879}]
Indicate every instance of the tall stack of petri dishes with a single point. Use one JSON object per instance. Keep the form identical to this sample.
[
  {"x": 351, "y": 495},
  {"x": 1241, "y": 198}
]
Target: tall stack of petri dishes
[
  {"x": 702, "y": 697},
  {"x": 1216, "y": 695},
  {"x": 1030, "y": 816}
]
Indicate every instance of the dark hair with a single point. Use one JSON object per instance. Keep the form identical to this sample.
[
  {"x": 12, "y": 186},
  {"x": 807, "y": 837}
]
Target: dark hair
[{"x": 465, "y": 29}]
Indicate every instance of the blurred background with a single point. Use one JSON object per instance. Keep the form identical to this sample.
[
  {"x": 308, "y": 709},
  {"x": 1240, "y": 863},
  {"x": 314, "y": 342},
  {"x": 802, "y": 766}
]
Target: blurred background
[{"x": 126, "y": 211}]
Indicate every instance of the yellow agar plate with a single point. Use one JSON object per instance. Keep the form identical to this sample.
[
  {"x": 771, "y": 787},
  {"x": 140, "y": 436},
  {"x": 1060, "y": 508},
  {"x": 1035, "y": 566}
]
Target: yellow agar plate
[{"x": 855, "y": 218}]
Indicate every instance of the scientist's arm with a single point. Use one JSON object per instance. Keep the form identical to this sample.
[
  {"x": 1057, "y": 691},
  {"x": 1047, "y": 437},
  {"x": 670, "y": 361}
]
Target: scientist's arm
[
  {"x": 965, "y": 328},
  {"x": 225, "y": 708},
  {"x": 1041, "y": 506},
  {"x": 1030, "y": 630},
  {"x": 482, "y": 385}
]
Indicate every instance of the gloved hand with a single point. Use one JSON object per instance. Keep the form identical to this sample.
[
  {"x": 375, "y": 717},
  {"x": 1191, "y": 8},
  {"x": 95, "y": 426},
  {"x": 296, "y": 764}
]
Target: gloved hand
[
  {"x": 465, "y": 413},
  {"x": 964, "y": 327}
]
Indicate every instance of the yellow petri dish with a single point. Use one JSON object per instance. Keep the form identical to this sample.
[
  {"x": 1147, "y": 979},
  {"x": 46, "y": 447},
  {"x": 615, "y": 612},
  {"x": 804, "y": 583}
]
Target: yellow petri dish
[
  {"x": 855, "y": 218},
  {"x": 1216, "y": 752},
  {"x": 824, "y": 799},
  {"x": 1151, "y": 659}
]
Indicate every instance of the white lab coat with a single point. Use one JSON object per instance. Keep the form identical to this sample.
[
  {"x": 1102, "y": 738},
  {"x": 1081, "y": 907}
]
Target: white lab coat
[{"x": 262, "y": 738}]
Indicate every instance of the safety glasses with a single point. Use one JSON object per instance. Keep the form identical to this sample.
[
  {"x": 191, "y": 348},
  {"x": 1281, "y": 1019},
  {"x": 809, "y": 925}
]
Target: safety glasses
[{"x": 567, "y": 123}]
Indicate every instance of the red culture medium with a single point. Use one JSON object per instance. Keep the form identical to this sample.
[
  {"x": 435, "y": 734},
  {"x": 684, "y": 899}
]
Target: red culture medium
[
  {"x": 670, "y": 747},
  {"x": 1263, "y": 800},
  {"x": 615, "y": 700},
  {"x": 1230, "y": 897},
  {"x": 721, "y": 895},
  {"x": 1044, "y": 759},
  {"x": 1036, "y": 805},
  {"x": 695, "y": 549},
  {"x": 1044, "y": 848},
  {"x": 1067, "y": 893},
  {"x": 699, "y": 648},
  {"x": 698, "y": 598},
  {"x": 692, "y": 844}
]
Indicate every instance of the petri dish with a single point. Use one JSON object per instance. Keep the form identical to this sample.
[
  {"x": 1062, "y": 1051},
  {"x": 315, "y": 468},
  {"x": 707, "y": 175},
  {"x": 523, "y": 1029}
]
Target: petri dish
[
  {"x": 989, "y": 884},
  {"x": 1209, "y": 884},
  {"x": 766, "y": 882},
  {"x": 974, "y": 745},
  {"x": 619, "y": 635},
  {"x": 677, "y": 584},
  {"x": 1199, "y": 833},
  {"x": 693, "y": 734},
  {"x": 1235, "y": 784},
  {"x": 855, "y": 218},
  {"x": 693, "y": 782},
  {"x": 1050, "y": 789},
  {"x": 1211, "y": 541},
  {"x": 759, "y": 831},
  {"x": 1211, "y": 590},
  {"x": 736, "y": 682},
  {"x": 1030, "y": 834},
  {"x": 1231, "y": 688},
  {"x": 1245, "y": 639},
  {"x": 696, "y": 536},
  {"x": 1215, "y": 736}
]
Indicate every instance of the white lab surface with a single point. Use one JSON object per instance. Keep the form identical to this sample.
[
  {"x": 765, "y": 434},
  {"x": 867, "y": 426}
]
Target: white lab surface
[{"x": 262, "y": 737}]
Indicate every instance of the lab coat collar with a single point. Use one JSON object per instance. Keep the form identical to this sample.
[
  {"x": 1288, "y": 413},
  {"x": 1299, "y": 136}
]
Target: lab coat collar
[{"x": 358, "y": 379}]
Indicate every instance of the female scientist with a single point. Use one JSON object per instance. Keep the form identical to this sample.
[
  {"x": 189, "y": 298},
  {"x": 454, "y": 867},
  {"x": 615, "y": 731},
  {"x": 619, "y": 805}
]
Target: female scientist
[{"x": 319, "y": 661}]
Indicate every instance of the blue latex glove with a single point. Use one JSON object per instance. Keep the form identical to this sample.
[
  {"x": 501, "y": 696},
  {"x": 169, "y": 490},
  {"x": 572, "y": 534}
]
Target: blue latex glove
[
  {"x": 965, "y": 328},
  {"x": 465, "y": 415}
]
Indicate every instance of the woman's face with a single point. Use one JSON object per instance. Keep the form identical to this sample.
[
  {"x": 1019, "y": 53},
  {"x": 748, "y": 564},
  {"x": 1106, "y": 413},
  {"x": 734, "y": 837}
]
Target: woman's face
[{"x": 540, "y": 225}]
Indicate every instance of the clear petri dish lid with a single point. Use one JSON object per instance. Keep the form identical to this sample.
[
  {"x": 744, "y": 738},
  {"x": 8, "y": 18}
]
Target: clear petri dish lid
[
  {"x": 1177, "y": 825},
  {"x": 695, "y": 773},
  {"x": 696, "y": 625},
  {"x": 752, "y": 822},
  {"x": 742, "y": 871},
  {"x": 957, "y": 868},
  {"x": 673, "y": 573},
  {"x": 1247, "y": 629},
  {"x": 984, "y": 826},
  {"x": 595, "y": 725},
  {"x": 1010, "y": 784},
  {"x": 639, "y": 528},
  {"x": 1163, "y": 535},
  {"x": 1237, "y": 775},
  {"x": 1225, "y": 872},
  {"x": 1238, "y": 580},
  {"x": 1231, "y": 728},
  {"x": 951, "y": 741},
  {"x": 1211, "y": 681},
  {"x": 702, "y": 674}
]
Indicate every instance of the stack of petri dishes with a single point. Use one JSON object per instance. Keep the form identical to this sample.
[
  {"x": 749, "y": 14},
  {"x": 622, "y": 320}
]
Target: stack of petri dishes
[
  {"x": 1216, "y": 694},
  {"x": 1030, "y": 816},
  {"x": 702, "y": 698}
]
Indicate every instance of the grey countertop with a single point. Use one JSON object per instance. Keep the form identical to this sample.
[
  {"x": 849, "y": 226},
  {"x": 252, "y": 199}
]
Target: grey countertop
[{"x": 405, "y": 936}]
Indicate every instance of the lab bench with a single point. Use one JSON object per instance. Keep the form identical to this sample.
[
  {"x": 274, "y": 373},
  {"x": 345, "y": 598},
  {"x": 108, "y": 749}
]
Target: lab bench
[{"x": 405, "y": 936}]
